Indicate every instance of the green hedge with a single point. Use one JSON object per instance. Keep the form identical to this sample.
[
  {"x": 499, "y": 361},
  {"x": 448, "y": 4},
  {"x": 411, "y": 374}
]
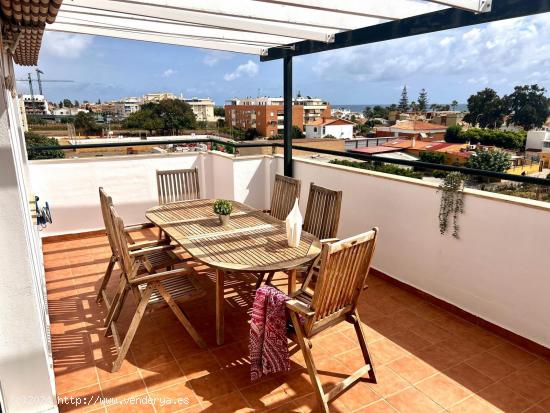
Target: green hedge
[
  {"x": 490, "y": 137},
  {"x": 378, "y": 167}
]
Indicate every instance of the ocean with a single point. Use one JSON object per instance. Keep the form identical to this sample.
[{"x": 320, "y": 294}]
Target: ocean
[{"x": 359, "y": 108}]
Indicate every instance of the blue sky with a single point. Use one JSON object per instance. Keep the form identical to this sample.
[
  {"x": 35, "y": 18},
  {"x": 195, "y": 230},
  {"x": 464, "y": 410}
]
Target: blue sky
[{"x": 450, "y": 65}]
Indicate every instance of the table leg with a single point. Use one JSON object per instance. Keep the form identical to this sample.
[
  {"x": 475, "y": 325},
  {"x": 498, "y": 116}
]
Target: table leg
[
  {"x": 220, "y": 275},
  {"x": 292, "y": 281}
]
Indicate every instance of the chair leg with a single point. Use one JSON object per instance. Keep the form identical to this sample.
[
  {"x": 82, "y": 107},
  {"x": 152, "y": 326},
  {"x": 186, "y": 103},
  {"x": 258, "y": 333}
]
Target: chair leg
[
  {"x": 311, "y": 369},
  {"x": 106, "y": 278},
  {"x": 260, "y": 279},
  {"x": 363, "y": 344},
  {"x": 181, "y": 316},
  {"x": 116, "y": 303},
  {"x": 123, "y": 350}
]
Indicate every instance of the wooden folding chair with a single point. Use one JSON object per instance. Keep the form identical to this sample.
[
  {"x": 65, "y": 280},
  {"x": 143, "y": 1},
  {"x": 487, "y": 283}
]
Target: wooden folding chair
[
  {"x": 322, "y": 217},
  {"x": 344, "y": 266},
  {"x": 178, "y": 185},
  {"x": 150, "y": 288},
  {"x": 106, "y": 202},
  {"x": 285, "y": 192}
]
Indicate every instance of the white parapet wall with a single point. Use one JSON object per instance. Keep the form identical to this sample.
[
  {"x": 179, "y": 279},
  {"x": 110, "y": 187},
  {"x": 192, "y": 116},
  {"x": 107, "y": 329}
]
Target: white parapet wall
[{"x": 497, "y": 270}]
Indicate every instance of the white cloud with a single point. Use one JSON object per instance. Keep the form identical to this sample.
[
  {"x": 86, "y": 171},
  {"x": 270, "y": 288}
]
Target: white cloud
[
  {"x": 65, "y": 45},
  {"x": 249, "y": 69},
  {"x": 169, "y": 72},
  {"x": 487, "y": 54},
  {"x": 213, "y": 57}
]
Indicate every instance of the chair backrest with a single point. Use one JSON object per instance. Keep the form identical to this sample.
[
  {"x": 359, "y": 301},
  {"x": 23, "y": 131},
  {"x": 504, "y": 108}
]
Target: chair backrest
[
  {"x": 323, "y": 212},
  {"x": 344, "y": 268},
  {"x": 285, "y": 192},
  {"x": 106, "y": 202},
  {"x": 127, "y": 264},
  {"x": 178, "y": 185}
]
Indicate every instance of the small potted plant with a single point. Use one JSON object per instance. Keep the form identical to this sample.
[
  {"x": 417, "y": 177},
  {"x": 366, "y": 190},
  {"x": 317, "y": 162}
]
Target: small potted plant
[{"x": 223, "y": 208}]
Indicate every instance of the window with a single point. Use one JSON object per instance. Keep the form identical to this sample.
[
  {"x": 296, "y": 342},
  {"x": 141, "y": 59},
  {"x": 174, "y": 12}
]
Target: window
[{"x": 315, "y": 129}]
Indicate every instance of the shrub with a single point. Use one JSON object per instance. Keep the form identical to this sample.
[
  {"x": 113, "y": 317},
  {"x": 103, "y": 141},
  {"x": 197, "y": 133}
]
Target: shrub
[
  {"x": 432, "y": 157},
  {"x": 378, "y": 167},
  {"x": 495, "y": 161},
  {"x": 33, "y": 140},
  {"x": 454, "y": 134},
  {"x": 495, "y": 137}
]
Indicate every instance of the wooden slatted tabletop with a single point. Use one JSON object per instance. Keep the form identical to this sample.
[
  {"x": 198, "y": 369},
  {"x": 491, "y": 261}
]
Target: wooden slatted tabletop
[{"x": 252, "y": 241}]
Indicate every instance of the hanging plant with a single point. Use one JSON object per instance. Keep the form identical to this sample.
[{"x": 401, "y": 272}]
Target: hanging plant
[{"x": 452, "y": 201}]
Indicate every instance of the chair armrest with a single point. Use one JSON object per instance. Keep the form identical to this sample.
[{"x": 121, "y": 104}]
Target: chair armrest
[
  {"x": 145, "y": 251},
  {"x": 137, "y": 227},
  {"x": 148, "y": 244},
  {"x": 329, "y": 240},
  {"x": 159, "y": 276},
  {"x": 299, "y": 307}
]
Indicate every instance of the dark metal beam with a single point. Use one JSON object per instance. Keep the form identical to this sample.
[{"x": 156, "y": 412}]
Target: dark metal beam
[
  {"x": 426, "y": 23},
  {"x": 287, "y": 86}
]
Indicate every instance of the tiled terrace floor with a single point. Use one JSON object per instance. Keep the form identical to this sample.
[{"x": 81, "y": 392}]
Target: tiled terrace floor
[{"x": 426, "y": 359}]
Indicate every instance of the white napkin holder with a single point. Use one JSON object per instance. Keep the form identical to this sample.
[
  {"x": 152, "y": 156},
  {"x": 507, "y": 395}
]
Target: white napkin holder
[{"x": 294, "y": 223}]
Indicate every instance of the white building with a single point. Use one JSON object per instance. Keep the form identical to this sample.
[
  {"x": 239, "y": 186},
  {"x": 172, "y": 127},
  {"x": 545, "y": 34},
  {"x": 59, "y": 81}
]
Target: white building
[
  {"x": 126, "y": 107},
  {"x": 68, "y": 111},
  {"x": 203, "y": 108},
  {"x": 338, "y": 128},
  {"x": 35, "y": 105},
  {"x": 538, "y": 140},
  {"x": 157, "y": 97}
]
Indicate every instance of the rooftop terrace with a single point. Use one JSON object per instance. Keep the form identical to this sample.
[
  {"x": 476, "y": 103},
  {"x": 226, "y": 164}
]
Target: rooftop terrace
[{"x": 426, "y": 359}]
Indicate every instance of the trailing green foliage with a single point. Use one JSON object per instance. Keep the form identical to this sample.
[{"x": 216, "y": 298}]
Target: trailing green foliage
[
  {"x": 452, "y": 201},
  {"x": 167, "y": 116},
  {"x": 33, "y": 140},
  {"x": 223, "y": 207},
  {"x": 489, "y": 137},
  {"x": 378, "y": 167}
]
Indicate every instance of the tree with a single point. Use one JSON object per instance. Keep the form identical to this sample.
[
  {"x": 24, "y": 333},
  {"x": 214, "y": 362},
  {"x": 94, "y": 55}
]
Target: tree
[
  {"x": 422, "y": 100},
  {"x": 297, "y": 132},
  {"x": 453, "y": 134},
  {"x": 486, "y": 109},
  {"x": 219, "y": 111},
  {"x": 85, "y": 121},
  {"x": 495, "y": 161},
  {"x": 432, "y": 157},
  {"x": 404, "y": 100},
  {"x": 376, "y": 111},
  {"x": 144, "y": 119},
  {"x": 454, "y": 104},
  {"x": 33, "y": 140},
  {"x": 76, "y": 103},
  {"x": 99, "y": 101},
  {"x": 67, "y": 103},
  {"x": 528, "y": 105},
  {"x": 174, "y": 115}
]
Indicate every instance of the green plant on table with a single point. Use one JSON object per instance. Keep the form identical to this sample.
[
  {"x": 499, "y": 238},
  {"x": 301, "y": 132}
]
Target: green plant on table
[
  {"x": 452, "y": 201},
  {"x": 223, "y": 207}
]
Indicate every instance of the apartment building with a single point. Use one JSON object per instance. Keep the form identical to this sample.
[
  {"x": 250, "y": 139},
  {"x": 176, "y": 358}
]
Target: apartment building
[
  {"x": 158, "y": 96},
  {"x": 266, "y": 114},
  {"x": 203, "y": 108},
  {"x": 127, "y": 106},
  {"x": 35, "y": 105}
]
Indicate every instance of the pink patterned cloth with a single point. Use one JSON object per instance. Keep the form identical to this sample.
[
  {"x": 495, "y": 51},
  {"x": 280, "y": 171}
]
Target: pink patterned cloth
[{"x": 268, "y": 345}]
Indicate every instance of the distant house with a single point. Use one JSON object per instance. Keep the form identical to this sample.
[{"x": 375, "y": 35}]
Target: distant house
[
  {"x": 413, "y": 128},
  {"x": 338, "y": 128}
]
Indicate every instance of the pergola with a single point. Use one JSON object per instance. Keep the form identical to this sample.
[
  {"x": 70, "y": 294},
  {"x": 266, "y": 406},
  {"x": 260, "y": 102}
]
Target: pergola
[{"x": 280, "y": 29}]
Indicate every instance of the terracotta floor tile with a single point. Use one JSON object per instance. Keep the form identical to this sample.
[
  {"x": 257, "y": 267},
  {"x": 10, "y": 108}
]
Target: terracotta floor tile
[
  {"x": 162, "y": 375},
  {"x": 174, "y": 398},
  {"x": 468, "y": 377},
  {"x": 140, "y": 404},
  {"x": 336, "y": 343},
  {"x": 473, "y": 404},
  {"x": 85, "y": 399},
  {"x": 380, "y": 406},
  {"x": 266, "y": 395},
  {"x": 439, "y": 357},
  {"x": 410, "y": 341},
  {"x": 75, "y": 378},
  {"x": 124, "y": 387},
  {"x": 536, "y": 409},
  {"x": 513, "y": 355},
  {"x": 359, "y": 395},
  {"x": 230, "y": 403},
  {"x": 443, "y": 390},
  {"x": 541, "y": 370},
  {"x": 385, "y": 351},
  {"x": 147, "y": 356},
  {"x": 545, "y": 404},
  {"x": 213, "y": 385},
  {"x": 411, "y": 400},
  {"x": 491, "y": 366},
  {"x": 528, "y": 386},
  {"x": 412, "y": 369},
  {"x": 388, "y": 382},
  {"x": 198, "y": 364},
  {"x": 502, "y": 397}
]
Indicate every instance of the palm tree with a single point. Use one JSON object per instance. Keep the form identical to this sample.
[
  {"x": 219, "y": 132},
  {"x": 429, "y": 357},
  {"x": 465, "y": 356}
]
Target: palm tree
[{"x": 454, "y": 104}]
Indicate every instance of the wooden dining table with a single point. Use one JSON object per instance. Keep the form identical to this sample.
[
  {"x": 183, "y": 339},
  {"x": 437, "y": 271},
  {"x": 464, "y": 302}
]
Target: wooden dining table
[{"x": 251, "y": 242}]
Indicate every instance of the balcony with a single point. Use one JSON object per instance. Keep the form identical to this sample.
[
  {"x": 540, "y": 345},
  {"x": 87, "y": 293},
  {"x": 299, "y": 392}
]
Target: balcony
[{"x": 452, "y": 325}]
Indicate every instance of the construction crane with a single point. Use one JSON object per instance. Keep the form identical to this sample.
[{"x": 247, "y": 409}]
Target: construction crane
[{"x": 39, "y": 80}]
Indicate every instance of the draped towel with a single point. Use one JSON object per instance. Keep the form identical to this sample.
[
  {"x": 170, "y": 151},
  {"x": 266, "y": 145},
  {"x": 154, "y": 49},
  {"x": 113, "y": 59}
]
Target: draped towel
[{"x": 268, "y": 345}]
